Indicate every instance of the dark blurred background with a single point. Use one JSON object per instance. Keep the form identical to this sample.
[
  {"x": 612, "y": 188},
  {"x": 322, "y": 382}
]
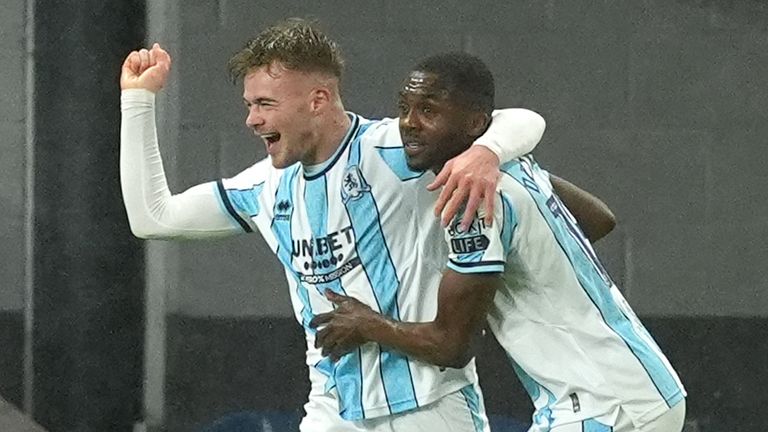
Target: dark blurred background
[{"x": 655, "y": 106}]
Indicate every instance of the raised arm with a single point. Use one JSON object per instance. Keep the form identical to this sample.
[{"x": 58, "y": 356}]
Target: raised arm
[
  {"x": 471, "y": 177},
  {"x": 463, "y": 302},
  {"x": 153, "y": 213},
  {"x": 592, "y": 214}
]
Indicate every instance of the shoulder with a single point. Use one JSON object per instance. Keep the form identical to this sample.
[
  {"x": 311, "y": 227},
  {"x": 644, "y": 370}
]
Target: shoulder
[
  {"x": 383, "y": 132},
  {"x": 258, "y": 173}
]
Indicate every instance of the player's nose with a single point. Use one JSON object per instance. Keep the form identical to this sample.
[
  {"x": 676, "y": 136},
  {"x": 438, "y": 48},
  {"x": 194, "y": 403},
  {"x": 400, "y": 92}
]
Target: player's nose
[{"x": 254, "y": 119}]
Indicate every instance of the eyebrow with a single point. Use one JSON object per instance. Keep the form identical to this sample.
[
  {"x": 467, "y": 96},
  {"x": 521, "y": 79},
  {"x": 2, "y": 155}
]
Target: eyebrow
[
  {"x": 430, "y": 97},
  {"x": 258, "y": 101}
]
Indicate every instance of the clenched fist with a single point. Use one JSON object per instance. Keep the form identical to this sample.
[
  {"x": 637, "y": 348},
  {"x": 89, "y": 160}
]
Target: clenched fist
[{"x": 146, "y": 69}]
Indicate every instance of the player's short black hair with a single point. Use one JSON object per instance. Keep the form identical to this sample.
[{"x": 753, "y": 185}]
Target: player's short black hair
[{"x": 466, "y": 78}]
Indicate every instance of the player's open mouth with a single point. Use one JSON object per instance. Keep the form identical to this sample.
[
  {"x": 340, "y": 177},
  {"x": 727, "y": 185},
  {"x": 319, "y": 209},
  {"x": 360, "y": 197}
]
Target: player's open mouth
[
  {"x": 413, "y": 148},
  {"x": 270, "y": 139}
]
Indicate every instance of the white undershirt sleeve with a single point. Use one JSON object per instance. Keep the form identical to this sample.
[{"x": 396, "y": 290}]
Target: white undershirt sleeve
[
  {"x": 513, "y": 132},
  {"x": 153, "y": 212}
]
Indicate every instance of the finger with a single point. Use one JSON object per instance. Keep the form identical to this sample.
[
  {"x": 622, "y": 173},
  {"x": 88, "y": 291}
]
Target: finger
[
  {"x": 152, "y": 60},
  {"x": 445, "y": 196},
  {"x": 442, "y": 176},
  {"x": 130, "y": 60},
  {"x": 335, "y": 297},
  {"x": 144, "y": 56},
  {"x": 489, "y": 201},
  {"x": 162, "y": 55},
  {"x": 327, "y": 346},
  {"x": 320, "y": 319},
  {"x": 331, "y": 296},
  {"x": 473, "y": 202},
  {"x": 321, "y": 338},
  {"x": 338, "y": 352},
  {"x": 454, "y": 205}
]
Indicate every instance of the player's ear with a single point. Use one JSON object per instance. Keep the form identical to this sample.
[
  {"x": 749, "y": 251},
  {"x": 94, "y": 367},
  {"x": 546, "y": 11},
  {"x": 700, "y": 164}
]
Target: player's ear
[
  {"x": 477, "y": 123},
  {"x": 320, "y": 97}
]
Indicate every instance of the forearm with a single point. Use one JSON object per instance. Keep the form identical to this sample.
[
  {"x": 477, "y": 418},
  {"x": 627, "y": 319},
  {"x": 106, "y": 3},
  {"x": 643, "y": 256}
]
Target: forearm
[
  {"x": 462, "y": 305},
  {"x": 513, "y": 132},
  {"x": 424, "y": 341},
  {"x": 152, "y": 211}
]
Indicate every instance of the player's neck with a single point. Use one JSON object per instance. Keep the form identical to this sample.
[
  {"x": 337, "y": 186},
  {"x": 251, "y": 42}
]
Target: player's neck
[{"x": 334, "y": 128}]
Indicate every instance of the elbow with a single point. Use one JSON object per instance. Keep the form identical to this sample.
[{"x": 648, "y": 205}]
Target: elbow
[
  {"x": 139, "y": 232},
  {"x": 453, "y": 355},
  {"x": 540, "y": 123},
  {"x": 457, "y": 361},
  {"x": 609, "y": 223},
  {"x": 604, "y": 227},
  {"x": 143, "y": 231},
  {"x": 537, "y": 125}
]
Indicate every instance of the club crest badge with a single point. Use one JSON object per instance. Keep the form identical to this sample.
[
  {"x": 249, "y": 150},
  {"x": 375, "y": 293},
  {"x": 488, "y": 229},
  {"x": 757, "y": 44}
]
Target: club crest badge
[{"x": 353, "y": 186}]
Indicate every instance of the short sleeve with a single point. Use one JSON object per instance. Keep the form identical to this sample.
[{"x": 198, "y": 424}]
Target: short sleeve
[
  {"x": 243, "y": 197},
  {"x": 481, "y": 248}
]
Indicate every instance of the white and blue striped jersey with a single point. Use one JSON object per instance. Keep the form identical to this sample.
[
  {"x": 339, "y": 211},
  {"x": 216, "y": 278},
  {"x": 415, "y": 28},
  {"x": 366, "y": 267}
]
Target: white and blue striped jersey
[
  {"x": 357, "y": 227},
  {"x": 576, "y": 345}
]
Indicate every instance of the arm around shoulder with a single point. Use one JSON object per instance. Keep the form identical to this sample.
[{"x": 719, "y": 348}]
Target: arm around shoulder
[{"x": 513, "y": 132}]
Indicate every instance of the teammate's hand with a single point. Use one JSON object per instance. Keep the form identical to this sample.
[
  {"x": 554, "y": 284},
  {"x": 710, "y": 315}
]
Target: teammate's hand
[
  {"x": 470, "y": 177},
  {"x": 340, "y": 332},
  {"x": 146, "y": 69}
]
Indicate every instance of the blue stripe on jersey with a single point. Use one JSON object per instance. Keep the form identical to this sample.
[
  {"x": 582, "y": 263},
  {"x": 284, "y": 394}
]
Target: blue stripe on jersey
[
  {"x": 542, "y": 416},
  {"x": 316, "y": 200},
  {"x": 397, "y": 161},
  {"x": 476, "y": 267},
  {"x": 469, "y": 258},
  {"x": 594, "y": 285},
  {"x": 591, "y": 425},
  {"x": 377, "y": 263},
  {"x": 348, "y": 376},
  {"x": 475, "y": 407},
  {"x": 229, "y": 208},
  {"x": 246, "y": 200},
  {"x": 281, "y": 228},
  {"x": 509, "y": 223},
  {"x": 347, "y": 372}
]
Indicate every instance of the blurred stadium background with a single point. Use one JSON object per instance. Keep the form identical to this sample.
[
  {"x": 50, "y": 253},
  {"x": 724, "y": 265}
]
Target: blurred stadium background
[{"x": 656, "y": 106}]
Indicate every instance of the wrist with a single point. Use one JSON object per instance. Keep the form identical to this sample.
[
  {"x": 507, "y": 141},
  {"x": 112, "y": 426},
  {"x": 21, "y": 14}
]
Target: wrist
[
  {"x": 488, "y": 148},
  {"x": 376, "y": 328}
]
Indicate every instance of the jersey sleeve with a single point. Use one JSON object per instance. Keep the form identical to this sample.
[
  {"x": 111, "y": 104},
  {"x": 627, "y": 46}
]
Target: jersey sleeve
[
  {"x": 248, "y": 196},
  {"x": 482, "y": 248},
  {"x": 513, "y": 132}
]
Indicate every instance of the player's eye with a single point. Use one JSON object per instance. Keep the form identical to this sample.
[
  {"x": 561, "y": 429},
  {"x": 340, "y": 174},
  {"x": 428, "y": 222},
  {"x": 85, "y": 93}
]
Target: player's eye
[
  {"x": 428, "y": 110},
  {"x": 403, "y": 108}
]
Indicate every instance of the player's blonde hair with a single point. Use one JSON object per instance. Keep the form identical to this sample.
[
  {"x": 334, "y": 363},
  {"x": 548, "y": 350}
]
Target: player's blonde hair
[{"x": 296, "y": 44}]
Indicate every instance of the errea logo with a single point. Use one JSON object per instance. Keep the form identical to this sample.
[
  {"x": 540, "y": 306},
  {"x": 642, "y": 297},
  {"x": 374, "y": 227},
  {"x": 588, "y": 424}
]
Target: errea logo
[
  {"x": 353, "y": 185},
  {"x": 283, "y": 210}
]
